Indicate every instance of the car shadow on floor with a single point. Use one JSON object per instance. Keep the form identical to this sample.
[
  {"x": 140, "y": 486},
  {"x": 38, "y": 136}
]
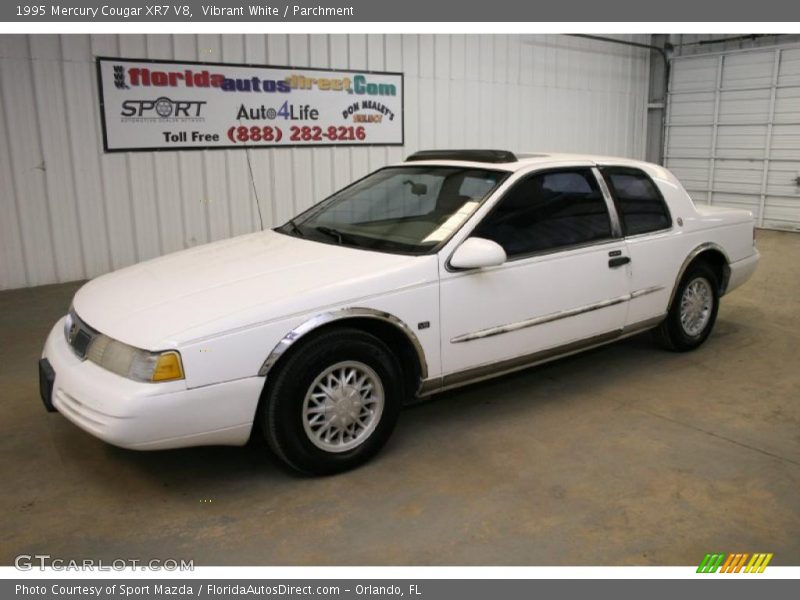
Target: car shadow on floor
[
  {"x": 197, "y": 467},
  {"x": 610, "y": 365}
]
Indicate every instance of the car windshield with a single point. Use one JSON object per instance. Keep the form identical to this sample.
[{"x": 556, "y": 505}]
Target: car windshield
[{"x": 410, "y": 210}]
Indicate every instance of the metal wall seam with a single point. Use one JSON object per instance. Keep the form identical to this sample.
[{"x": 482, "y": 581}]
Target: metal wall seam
[{"x": 768, "y": 138}]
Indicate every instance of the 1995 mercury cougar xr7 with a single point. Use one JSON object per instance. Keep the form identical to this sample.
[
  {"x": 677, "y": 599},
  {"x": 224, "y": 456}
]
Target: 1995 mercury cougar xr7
[{"x": 449, "y": 268}]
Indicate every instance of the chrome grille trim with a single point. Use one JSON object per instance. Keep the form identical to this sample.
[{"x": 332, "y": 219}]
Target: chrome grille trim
[{"x": 79, "y": 335}]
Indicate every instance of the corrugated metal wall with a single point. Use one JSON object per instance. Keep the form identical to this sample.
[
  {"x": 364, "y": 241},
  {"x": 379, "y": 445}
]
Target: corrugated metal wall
[
  {"x": 68, "y": 211},
  {"x": 685, "y": 44},
  {"x": 733, "y": 131}
]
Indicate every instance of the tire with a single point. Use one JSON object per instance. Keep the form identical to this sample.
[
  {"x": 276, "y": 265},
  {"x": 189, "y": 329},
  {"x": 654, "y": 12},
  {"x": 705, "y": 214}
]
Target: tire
[
  {"x": 299, "y": 415},
  {"x": 686, "y": 329}
]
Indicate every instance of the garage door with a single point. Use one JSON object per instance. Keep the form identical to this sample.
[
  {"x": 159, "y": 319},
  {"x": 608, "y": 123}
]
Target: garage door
[{"x": 733, "y": 131}]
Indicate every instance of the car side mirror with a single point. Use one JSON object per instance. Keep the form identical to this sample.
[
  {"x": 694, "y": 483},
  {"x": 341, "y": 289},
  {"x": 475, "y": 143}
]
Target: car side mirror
[{"x": 476, "y": 253}]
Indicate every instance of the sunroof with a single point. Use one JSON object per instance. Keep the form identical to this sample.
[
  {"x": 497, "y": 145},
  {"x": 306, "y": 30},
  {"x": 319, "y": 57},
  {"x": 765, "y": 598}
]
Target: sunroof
[{"x": 491, "y": 156}]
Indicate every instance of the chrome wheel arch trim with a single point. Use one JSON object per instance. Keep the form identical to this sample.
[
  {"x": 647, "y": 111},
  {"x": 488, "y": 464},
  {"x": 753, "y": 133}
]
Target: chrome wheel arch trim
[
  {"x": 705, "y": 246},
  {"x": 326, "y": 318}
]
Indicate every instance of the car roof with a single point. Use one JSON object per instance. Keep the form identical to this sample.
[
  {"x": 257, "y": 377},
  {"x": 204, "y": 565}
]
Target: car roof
[{"x": 526, "y": 160}]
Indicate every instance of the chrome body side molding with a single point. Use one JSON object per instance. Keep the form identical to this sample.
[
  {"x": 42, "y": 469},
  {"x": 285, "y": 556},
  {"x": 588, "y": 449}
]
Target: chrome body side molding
[
  {"x": 337, "y": 315},
  {"x": 488, "y": 371},
  {"x": 549, "y": 318}
]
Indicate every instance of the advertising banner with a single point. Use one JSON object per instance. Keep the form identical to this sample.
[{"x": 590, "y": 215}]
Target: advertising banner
[{"x": 164, "y": 105}]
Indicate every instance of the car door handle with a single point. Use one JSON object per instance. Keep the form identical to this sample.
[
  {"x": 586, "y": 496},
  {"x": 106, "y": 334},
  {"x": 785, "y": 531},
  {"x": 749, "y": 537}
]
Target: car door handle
[{"x": 618, "y": 261}]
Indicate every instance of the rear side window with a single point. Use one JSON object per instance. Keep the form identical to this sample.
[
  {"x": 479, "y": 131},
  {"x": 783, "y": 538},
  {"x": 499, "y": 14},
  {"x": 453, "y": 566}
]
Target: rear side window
[
  {"x": 639, "y": 203},
  {"x": 548, "y": 211}
]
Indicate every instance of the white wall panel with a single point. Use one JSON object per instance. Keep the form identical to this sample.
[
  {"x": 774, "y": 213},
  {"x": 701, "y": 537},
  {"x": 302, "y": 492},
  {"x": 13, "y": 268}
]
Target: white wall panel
[
  {"x": 733, "y": 131},
  {"x": 69, "y": 211}
]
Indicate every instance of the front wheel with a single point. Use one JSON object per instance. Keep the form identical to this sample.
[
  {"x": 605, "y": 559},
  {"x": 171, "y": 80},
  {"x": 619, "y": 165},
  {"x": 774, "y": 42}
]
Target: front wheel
[
  {"x": 693, "y": 311},
  {"x": 333, "y": 403}
]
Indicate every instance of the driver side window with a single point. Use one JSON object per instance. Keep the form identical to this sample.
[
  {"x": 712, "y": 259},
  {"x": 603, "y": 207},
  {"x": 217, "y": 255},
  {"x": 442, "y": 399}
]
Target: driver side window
[{"x": 548, "y": 211}]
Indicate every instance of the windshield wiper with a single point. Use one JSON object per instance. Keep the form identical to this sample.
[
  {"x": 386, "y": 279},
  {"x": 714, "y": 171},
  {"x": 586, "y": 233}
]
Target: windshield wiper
[
  {"x": 295, "y": 228},
  {"x": 339, "y": 235}
]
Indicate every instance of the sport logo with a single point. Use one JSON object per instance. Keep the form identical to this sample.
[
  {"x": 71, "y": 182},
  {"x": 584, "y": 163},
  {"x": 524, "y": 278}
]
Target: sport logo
[
  {"x": 162, "y": 108},
  {"x": 734, "y": 563}
]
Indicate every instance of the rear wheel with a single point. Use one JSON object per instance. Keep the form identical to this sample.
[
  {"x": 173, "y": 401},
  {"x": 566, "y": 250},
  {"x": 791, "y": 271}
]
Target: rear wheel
[
  {"x": 693, "y": 312},
  {"x": 333, "y": 403}
]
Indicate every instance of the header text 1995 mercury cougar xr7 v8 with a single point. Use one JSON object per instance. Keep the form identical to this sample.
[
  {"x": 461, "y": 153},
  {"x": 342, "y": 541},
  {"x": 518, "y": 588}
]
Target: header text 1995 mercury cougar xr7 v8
[{"x": 449, "y": 268}]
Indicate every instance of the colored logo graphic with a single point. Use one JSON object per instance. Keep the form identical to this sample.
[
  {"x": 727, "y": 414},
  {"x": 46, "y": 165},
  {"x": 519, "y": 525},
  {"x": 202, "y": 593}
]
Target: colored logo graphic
[{"x": 734, "y": 563}]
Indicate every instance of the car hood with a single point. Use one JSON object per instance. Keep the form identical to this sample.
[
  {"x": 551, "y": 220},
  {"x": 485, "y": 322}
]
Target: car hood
[{"x": 234, "y": 283}]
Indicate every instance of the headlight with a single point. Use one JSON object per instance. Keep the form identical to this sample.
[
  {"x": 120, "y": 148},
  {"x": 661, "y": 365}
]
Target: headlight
[
  {"x": 118, "y": 357},
  {"x": 133, "y": 363}
]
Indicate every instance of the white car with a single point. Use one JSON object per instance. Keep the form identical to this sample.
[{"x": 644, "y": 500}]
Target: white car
[{"x": 449, "y": 268}]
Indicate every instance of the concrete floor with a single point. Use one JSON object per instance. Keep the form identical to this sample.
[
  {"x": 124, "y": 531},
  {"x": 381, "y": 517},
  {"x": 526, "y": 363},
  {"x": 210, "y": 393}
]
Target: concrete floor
[{"x": 628, "y": 455}]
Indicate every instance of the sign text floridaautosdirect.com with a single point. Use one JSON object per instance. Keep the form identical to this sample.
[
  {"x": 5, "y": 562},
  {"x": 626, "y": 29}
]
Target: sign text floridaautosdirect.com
[
  {"x": 147, "y": 105},
  {"x": 180, "y": 11}
]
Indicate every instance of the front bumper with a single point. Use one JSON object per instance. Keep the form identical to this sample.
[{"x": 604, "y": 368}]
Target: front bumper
[{"x": 148, "y": 416}]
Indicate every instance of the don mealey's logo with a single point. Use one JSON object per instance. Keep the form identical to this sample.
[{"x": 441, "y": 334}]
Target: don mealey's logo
[
  {"x": 371, "y": 105},
  {"x": 162, "y": 108}
]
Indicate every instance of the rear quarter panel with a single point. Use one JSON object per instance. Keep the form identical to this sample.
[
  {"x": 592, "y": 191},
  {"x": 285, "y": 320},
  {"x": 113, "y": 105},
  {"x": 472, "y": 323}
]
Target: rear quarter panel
[{"x": 659, "y": 257}]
